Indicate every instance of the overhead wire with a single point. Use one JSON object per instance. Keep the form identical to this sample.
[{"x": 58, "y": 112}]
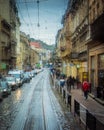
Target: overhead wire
[
  {"x": 29, "y": 23},
  {"x": 28, "y": 15},
  {"x": 20, "y": 13},
  {"x": 22, "y": 17},
  {"x": 26, "y": 2}
]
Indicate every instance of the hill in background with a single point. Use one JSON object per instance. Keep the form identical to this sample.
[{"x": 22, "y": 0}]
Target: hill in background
[{"x": 43, "y": 44}]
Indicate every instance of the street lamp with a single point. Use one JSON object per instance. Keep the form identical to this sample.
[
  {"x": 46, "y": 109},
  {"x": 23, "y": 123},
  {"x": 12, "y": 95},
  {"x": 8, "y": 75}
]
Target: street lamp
[{"x": 77, "y": 66}]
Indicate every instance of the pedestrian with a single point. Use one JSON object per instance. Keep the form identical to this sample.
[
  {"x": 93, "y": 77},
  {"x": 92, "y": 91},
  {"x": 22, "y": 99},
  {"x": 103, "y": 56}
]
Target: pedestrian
[
  {"x": 62, "y": 81},
  {"x": 68, "y": 83},
  {"x": 85, "y": 88},
  {"x": 57, "y": 74},
  {"x": 0, "y": 76},
  {"x": 72, "y": 82}
]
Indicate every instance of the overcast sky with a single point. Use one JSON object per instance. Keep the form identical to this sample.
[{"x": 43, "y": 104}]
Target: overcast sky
[{"x": 50, "y": 15}]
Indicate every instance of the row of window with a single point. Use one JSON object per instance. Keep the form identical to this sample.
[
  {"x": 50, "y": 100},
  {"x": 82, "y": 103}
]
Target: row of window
[{"x": 96, "y": 9}]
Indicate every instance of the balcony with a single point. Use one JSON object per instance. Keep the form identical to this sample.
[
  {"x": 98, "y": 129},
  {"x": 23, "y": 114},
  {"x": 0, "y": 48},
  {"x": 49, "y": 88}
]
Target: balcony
[
  {"x": 5, "y": 53},
  {"x": 67, "y": 35},
  {"x": 97, "y": 29},
  {"x": 74, "y": 55},
  {"x": 83, "y": 55},
  {"x": 13, "y": 54},
  {"x": 5, "y": 27},
  {"x": 62, "y": 48},
  {"x": 13, "y": 38},
  {"x": 13, "y": 51}
]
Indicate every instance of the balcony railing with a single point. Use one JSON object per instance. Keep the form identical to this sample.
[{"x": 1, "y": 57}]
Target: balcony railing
[
  {"x": 13, "y": 39},
  {"x": 74, "y": 55},
  {"x": 97, "y": 29},
  {"x": 5, "y": 26}
]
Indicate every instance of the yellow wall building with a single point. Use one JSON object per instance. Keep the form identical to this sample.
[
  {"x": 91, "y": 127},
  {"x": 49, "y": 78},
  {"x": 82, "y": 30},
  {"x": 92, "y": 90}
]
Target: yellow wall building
[
  {"x": 8, "y": 41},
  {"x": 25, "y": 52}
]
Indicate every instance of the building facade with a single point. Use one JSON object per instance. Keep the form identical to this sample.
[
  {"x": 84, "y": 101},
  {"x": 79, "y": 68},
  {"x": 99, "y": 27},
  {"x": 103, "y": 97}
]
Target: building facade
[
  {"x": 8, "y": 41},
  {"x": 83, "y": 27},
  {"x": 25, "y": 55},
  {"x": 79, "y": 37},
  {"x": 66, "y": 45},
  {"x": 96, "y": 47}
]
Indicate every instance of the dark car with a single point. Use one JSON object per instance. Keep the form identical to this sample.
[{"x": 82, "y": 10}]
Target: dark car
[
  {"x": 1, "y": 94},
  {"x": 6, "y": 89}
]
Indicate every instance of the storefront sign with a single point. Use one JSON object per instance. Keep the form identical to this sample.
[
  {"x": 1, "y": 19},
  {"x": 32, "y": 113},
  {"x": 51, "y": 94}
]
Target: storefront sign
[{"x": 2, "y": 66}]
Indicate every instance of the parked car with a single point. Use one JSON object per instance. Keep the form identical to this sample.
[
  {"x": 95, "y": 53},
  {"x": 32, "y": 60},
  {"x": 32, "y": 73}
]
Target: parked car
[
  {"x": 12, "y": 82},
  {"x": 33, "y": 73},
  {"x": 1, "y": 94},
  {"x": 6, "y": 89},
  {"x": 29, "y": 74},
  {"x": 18, "y": 75},
  {"x": 26, "y": 77}
]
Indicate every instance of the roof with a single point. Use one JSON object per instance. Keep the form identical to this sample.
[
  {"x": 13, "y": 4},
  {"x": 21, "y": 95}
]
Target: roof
[{"x": 35, "y": 44}]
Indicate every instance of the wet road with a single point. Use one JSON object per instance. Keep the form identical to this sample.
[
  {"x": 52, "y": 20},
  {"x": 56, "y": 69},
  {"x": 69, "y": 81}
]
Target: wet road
[{"x": 33, "y": 107}]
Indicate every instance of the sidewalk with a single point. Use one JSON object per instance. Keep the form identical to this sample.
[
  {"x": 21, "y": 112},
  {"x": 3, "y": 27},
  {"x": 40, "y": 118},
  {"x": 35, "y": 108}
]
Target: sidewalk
[
  {"x": 90, "y": 104},
  {"x": 88, "y": 112}
]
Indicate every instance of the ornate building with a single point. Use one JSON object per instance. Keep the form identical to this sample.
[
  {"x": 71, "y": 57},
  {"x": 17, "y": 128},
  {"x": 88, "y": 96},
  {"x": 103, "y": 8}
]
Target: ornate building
[
  {"x": 66, "y": 45},
  {"x": 79, "y": 37},
  {"x": 96, "y": 47}
]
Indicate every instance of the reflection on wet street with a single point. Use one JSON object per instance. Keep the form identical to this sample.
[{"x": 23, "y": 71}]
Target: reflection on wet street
[{"x": 33, "y": 107}]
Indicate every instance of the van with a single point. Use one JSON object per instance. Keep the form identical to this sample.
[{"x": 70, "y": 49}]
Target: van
[{"x": 18, "y": 74}]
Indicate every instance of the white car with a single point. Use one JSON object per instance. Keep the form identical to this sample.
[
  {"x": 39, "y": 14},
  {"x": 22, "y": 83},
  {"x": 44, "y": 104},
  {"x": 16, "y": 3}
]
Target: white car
[
  {"x": 18, "y": 75},
  {"x": 12, "y": 82}
]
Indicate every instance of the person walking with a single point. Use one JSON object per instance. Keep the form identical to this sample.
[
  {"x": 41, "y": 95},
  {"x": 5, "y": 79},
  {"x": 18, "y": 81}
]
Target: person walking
[
  {"x": 85, "y": 88},
  {"x": 57, "y": 74},
  {"x": 62, "y": 81},
  {"x": 68, "y": 83},
  {"x": 72, "y": 82}
]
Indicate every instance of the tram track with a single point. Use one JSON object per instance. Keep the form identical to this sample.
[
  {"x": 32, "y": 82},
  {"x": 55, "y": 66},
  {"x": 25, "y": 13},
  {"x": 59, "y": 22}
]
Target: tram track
[
  {"x": 42, "y": 111},
  {"x": 44, "y": 119},
  {"x": 31, "y": 117},
  {"x": 22, "y": 116}
]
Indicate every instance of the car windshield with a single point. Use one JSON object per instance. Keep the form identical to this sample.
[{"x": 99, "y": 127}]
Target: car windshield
[
  {"x": 10, "y": 78},
  {"x": 16, "y": 75},
  {"x": 26, "y": 75}
]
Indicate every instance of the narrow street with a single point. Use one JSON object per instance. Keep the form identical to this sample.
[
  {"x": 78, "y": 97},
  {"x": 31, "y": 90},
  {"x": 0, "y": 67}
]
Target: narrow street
[
  {"x": 33, "y": 107},
  {"x": 51, "y": 65}
]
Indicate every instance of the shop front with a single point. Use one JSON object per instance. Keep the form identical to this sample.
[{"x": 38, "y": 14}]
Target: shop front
[
  {"x": 100, "y": 89},
  {"x": 96, "y": 70},
  {"x": 3, "y": 67}
]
